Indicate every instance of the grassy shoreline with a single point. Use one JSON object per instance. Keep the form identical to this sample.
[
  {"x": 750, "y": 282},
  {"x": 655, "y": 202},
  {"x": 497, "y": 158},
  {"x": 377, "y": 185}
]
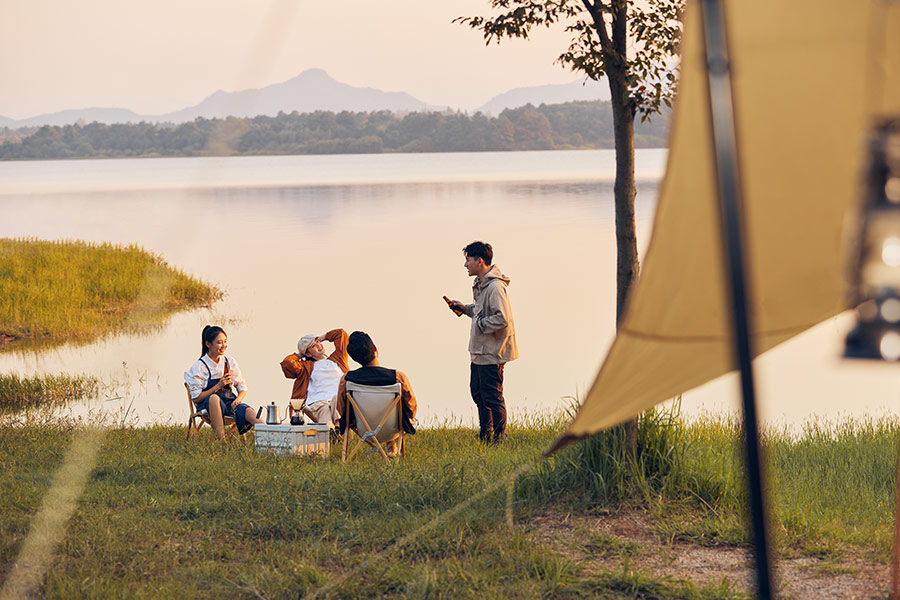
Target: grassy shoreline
[
  {"x": 163, "y": 517},
  {"x": 19, "y": 393},
  {"x": 64, "y": 290}
]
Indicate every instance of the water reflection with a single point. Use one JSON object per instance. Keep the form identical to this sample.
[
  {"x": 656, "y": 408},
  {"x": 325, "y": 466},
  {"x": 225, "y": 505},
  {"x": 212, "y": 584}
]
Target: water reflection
[
  {"x": 316, "y": 253},
  {"x": 302, "y": 258}
]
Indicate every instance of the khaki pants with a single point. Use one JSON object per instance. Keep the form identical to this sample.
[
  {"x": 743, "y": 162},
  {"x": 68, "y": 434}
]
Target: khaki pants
[{"x": 322, "y": 412}]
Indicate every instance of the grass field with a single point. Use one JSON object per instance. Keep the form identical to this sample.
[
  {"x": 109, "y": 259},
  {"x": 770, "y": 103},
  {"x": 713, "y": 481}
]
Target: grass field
[
  {"x": 65, "y": 290},
  {"x": 124, "y": 512},
  {"x": 164, "y": 517}
]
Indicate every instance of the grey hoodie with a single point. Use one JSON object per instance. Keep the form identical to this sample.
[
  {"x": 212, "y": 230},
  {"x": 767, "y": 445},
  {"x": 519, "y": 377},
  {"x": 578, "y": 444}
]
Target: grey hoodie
[{"x": 492, "y": 340}]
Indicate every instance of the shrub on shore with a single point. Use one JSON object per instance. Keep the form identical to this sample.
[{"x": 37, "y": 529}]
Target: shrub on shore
[{"x": 18, "y": 393}]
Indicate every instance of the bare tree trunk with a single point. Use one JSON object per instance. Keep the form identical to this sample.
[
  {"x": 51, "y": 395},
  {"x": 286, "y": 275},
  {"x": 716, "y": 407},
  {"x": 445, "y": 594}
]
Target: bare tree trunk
[
  {"x": 627, "y": 263},
  {"x": 614, "y": 46}
]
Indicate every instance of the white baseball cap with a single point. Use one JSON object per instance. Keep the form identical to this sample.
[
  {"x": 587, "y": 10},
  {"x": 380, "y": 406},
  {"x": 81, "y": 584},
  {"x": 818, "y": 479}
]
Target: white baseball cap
[{"x": 305, "y": 342}]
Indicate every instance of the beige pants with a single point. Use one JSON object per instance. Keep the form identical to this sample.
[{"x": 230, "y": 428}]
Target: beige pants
[{"x": 322, "y": 412}]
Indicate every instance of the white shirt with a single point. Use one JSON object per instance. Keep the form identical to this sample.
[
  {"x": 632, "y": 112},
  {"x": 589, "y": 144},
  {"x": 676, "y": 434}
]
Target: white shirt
[
  {"x": 197, "y": 377},
  {"x": 324, "y": 381}
]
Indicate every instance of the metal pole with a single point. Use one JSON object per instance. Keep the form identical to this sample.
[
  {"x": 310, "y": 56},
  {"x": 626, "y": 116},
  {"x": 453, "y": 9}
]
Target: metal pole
[
  {"x": 895, "y": 561},
  {"x": 727, "y": 169}
]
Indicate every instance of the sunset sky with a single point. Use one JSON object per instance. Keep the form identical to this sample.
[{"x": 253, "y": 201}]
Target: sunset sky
[{"x": 160, "y": 56}]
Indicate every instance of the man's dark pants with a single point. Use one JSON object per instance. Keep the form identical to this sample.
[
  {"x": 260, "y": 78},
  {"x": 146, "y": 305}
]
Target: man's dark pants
[{"x": 486, "y": 385}]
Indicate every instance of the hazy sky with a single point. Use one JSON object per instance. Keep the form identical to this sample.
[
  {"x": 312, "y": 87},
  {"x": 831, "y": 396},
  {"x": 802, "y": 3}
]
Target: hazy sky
[{"x": 160, "y": 56}]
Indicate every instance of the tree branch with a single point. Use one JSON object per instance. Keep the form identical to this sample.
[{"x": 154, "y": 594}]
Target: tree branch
[{"x": 596, "y": 9}]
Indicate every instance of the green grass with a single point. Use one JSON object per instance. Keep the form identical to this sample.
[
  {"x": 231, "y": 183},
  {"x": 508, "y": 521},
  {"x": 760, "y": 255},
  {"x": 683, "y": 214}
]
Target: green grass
[
  {"x": 18, "y": 393},
  {"x": 629, "y": 583},
  {"x": 599, "y": 471},
  {"x": 160, "y": 512},
  {"x": 55, "y": 290},
  {"x": 829, "y": 462},
  {"x": 166, "y": 517},
  {"x": 829, "y": 482}
]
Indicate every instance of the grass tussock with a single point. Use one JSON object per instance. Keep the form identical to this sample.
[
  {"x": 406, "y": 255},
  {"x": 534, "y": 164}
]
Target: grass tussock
[
  {"x": 18, "y": 393},
  {"x": 600, "y": 471},
  {"x": 166, "y": 517},
  {"x": 69, "y": 289}
]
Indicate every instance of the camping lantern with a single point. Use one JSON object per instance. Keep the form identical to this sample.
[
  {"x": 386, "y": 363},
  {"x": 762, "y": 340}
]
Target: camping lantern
[{"x": 876, "y": 277}]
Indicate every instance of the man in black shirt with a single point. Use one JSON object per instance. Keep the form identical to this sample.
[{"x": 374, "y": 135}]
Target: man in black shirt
[{"x": 362, "y": 349}]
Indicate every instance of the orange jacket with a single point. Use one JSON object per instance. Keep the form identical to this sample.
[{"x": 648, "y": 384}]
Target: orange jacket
[{"x": 301, "y": 370}]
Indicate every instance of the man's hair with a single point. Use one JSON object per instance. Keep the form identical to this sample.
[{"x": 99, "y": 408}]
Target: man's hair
[
  {"x": 360, "y": 347},
  {"x": 480, "y": 250}
]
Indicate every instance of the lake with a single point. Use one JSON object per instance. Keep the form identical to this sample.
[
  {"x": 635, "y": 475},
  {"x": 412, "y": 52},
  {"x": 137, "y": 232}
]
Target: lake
[{"x": 304, "y": 244}]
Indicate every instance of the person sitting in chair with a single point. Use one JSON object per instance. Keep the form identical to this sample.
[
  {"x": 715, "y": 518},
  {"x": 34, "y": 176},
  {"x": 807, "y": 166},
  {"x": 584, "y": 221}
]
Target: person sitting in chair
[
  {"x": 316, "y": 377},
  {"x": 217, "y": 386},
  {"x": 363, "y": 350}
]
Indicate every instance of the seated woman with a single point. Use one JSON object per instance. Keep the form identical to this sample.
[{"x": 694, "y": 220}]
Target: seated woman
[
  {"x": 213, "y": 380},
  {"x": 316, "y": 377}
]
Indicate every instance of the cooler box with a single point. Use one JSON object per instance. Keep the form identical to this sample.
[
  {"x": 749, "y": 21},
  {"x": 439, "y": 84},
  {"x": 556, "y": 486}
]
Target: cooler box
[{"x": 312, "y": 438}]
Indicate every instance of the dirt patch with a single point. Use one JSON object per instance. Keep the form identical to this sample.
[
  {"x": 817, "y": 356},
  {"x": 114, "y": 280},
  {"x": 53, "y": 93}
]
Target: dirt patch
[{"x": 608, "y": 541}]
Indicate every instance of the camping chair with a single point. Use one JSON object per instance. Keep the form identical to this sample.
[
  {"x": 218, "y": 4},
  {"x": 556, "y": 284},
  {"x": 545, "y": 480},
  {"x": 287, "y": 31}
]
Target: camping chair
[
  {"x": 198, "y": 417},
  {"x": 376, "y": 411}
]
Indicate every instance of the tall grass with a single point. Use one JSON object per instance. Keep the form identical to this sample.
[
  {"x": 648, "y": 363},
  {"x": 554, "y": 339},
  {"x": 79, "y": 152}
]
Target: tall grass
[
  {"x": 600, "y": 470},
  {"x": 851, "y": 465},
  {"x": 18, "y": 393},
  {"x": 830, "y": 481},
  {"x": 57, "y": 289}
]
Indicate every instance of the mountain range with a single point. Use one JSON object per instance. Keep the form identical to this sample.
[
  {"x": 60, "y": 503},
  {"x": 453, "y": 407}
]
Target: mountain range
[{"x": 314, "y": 90}]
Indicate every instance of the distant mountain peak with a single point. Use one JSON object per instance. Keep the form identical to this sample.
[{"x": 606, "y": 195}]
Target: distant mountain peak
[
  {"x": 314, "y": 89},
  {"x": 311, "y": 90},
  {"x": 315, "y": 72},
  {"x": 579, "y": 89}
]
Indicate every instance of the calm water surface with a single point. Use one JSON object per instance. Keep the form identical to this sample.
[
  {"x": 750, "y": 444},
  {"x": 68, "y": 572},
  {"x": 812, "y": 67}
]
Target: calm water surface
[{"x": 303, "y": 244}]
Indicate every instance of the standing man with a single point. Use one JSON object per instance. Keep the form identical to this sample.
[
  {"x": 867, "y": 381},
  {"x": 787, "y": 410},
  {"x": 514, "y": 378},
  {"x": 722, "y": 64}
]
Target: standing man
[{"x": 492, "y": 339}]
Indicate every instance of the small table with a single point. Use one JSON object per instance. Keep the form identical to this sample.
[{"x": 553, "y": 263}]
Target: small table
[{"x": 311, "y": 438}]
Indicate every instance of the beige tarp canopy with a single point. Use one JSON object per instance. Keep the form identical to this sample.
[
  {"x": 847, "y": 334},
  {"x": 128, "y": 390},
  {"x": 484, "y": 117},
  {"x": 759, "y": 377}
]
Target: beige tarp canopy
[{"x": 809, "y": 77}]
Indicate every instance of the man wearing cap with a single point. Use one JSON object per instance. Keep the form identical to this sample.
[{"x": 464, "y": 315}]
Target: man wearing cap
[
  {"x": 316, "y": 377},
  {"x": 492, "y": 338}
]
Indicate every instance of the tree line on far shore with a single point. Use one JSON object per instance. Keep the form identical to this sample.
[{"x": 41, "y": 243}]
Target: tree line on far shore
[{"x": 572, "y": 125}]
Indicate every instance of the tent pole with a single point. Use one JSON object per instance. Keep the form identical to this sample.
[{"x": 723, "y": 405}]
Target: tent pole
[
  {"x": 729, "y": 190},
  {"x": 895, "y": 562}
]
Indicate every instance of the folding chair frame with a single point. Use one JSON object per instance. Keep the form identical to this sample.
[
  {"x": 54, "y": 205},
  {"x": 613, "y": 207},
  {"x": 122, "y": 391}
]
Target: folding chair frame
[{"x": 371, "y": 433}]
